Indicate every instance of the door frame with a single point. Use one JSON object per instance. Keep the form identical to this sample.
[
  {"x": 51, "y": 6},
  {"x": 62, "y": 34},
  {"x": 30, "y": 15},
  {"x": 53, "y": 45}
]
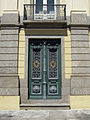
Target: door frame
[
  {"x": 24, "y": 92},
  {"x": 41, "y": 81}
]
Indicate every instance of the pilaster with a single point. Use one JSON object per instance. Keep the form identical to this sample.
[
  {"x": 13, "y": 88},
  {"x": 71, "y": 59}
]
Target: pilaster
[
  {"x": 80, "y": 53},
  {"x": 9, "y": 81}
]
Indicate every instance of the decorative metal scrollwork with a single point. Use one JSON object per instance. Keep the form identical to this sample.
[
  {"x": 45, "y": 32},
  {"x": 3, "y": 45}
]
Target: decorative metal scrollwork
[
  {"x": 53, "y": 62},
  {"x": 53, "y": 89},
  {"x": 36, "y": 62},
  {"x": 36, "y": 89}
]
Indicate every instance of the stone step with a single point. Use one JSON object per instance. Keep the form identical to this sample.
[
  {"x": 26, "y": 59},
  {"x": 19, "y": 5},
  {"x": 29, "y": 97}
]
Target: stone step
[{"x": 45, "y": 106}]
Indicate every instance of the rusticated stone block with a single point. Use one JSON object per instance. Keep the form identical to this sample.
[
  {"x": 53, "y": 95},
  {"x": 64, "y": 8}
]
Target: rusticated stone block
[
  {"x": 9, "y": 32},
  {"x": 10, "y": 17},
  {"x": 7, "y": 70},
  {"x": 9, "y": 85},
  {"x": 8, "y": 57},
  {"x": 9, "y": 91},
  {"x": 78, "y": 18},
  {"x": 80, "y": 63},
  {"x": 80, "y": 91},
  {"x": 80, "y": 50},
  {"x": 79, "y": 32},
  {"x": 80, "y": 85},
  {"x": 79, "y": 44},
  {"x": 9, "y": 82},
  {"x": 81, "y": 70},
  {"x": 81, "y": 57},
  {"x": 80, "y": 37},
  {"x": 8, "y": 63},
  {"x": 9, "y": 37},
  {"x": 9, "y": 50},
  {"x": 80, "y": 82},
  {"x": 9, "y": 44}
]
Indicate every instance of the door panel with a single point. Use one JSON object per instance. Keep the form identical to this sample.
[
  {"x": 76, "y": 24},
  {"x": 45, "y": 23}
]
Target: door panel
[
  {"x": 44, "y": 69},
  {"x": 53, "y": 70},
  {"x": 35, "y": 70}
]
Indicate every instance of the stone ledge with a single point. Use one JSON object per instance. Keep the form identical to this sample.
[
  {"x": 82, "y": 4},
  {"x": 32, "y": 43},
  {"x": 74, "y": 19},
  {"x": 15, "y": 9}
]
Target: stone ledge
[{"x": 45, "y": 106}]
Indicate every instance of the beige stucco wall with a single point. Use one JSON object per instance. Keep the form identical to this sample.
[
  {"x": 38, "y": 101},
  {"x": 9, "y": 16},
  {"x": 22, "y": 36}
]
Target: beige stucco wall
[
  {"x": 81, "y": 5},
  {"x": 89, "y": 7},
  {"x": 0, "y": 7},
  {"x": 80, "y": 102},
  {"x": 11, "y": 4},
  {"x": 8, "y": 5},
  {"x": 68, "y": 60},
  {"x": 9, "y": 102},
  {"x": 76, "y": 5},
  {"x": 21, "y": 55},
  {"x": 71, "y": 5}
]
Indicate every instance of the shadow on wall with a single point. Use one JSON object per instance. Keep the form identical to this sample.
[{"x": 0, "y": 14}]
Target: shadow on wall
[{"x": 0, "y": 20}]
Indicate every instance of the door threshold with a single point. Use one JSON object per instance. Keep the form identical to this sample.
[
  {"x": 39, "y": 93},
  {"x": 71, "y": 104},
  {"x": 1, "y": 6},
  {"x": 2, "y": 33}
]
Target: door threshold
[{"x": 44, "y": 106}]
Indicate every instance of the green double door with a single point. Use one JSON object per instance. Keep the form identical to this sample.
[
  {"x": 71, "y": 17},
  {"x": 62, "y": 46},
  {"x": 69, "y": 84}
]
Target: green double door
[{"x": 44, "y": 69}]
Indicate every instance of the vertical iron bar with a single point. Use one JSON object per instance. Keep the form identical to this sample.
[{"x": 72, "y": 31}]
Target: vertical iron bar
[
  {"x": 44, "y": 71},
  {"x": 65, "y": 12},
  {"x": 33, "y": 10},
  {"x": 24, "y": 13}
]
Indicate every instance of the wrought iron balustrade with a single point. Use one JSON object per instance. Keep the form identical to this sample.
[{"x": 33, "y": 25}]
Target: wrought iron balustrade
[{"x": 44, "y": 12}]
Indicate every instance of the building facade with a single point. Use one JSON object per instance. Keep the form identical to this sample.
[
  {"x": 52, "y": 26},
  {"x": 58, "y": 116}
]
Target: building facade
[{"x": 44, "y": 54}]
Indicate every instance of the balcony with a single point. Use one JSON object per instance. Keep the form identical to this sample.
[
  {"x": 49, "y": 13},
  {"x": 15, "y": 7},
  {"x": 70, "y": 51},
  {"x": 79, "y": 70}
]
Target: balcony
[{"x": 44, "y": 13}]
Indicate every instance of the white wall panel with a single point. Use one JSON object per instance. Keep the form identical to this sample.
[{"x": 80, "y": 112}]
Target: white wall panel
[
  {"x": 81, "y": 5},
  {"x": 11, "y": 4}
]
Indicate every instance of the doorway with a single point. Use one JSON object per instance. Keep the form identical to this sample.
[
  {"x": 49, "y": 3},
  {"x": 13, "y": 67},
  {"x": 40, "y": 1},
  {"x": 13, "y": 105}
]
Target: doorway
[{"x": 44, "y": 69}]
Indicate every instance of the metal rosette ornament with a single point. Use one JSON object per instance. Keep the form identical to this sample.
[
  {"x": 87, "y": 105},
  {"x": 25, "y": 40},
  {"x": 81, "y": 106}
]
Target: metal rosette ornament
[
  {"x": 53, "y": 64},
  {"x": 36, "y": 63}
]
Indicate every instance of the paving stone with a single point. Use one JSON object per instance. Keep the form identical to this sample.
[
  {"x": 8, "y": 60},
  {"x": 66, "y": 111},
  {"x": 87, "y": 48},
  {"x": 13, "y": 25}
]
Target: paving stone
[{"x": 45, "y": 115}]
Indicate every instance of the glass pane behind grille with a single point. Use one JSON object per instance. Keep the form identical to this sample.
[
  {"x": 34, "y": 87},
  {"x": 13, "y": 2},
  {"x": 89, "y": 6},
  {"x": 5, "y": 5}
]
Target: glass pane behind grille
[
  {"x": 39, "y": 6},
  {"x": 50, "y": 6}
]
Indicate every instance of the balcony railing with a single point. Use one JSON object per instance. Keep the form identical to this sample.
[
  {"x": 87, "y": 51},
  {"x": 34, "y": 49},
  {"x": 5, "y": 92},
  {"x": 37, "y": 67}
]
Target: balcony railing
[{"x": 44, "y": 12}]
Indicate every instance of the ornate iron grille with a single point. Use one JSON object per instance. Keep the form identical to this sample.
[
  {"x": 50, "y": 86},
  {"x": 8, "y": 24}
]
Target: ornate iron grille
[
  {"x": 36, "y": 63},
  {"x": 37, "y": 12},
  {"x": 53, "y": 61}
]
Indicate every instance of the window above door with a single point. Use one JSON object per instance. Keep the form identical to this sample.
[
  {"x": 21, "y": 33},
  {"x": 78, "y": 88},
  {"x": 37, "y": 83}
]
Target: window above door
[{"x": 45, "y": 10}]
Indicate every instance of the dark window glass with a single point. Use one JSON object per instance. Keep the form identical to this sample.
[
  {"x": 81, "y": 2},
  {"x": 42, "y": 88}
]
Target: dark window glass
[
  {"x": 39, "y": 6},
  {"x": 50, "y": 6}
]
